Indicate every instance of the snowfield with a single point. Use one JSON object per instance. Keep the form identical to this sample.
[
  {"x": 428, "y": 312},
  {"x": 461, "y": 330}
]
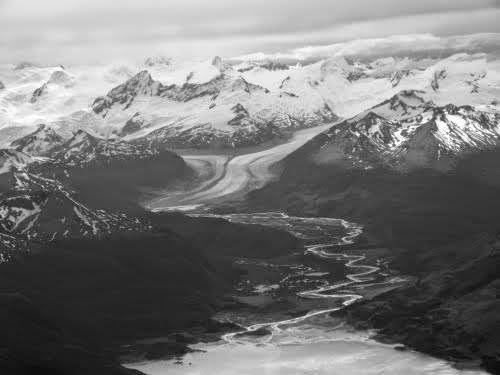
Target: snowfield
[{"x": 245, "y": 101}]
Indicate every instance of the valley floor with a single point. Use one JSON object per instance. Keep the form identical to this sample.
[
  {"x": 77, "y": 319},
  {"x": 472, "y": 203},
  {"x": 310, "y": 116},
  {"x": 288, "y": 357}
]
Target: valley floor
[{"x": 438, "y": 299}]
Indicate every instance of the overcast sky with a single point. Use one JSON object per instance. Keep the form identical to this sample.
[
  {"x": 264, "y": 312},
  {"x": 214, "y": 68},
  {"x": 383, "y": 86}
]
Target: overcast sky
[{"x": 98, "y": 30}]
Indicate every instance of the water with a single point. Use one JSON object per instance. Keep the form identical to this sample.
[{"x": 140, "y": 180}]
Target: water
[
  {"x": 301, "y": 351},
  {"x": 313, "y": 342}
]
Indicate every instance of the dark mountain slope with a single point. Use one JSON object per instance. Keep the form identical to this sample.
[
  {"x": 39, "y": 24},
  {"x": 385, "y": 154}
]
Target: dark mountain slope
[
  {"x": 105, "y": 293},
  {"x": 416, "y": 209},
  {"x": 452, "y": 311},
  {"x": 447, "y": 224},
  {"x": 35, "y": 344},
  {"x": 112, "y": 174}
]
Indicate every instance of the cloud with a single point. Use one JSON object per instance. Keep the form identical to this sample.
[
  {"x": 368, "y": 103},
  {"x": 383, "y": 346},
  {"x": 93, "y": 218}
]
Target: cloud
[
  {"x": 79, "y": 30},
  {"x": 422, "y": 45}
]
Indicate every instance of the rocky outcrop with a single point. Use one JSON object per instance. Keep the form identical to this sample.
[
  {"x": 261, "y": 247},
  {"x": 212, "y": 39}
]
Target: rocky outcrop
[
  {"x": 41, "y": 142},
  {"x": 438, "y": 77},
  {"x": 38, "y": 93},
  {"x": 124, "y": 94},
  {"x": 220, "y": 64},
  {"x": 157, "y": 61},
  {"x": 134, "y": 124}
]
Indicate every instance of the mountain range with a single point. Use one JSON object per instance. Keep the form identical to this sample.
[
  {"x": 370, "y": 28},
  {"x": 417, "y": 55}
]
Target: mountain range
[
  {"x": 407, "y": 146},
  {"x": 229, "y": 103}
]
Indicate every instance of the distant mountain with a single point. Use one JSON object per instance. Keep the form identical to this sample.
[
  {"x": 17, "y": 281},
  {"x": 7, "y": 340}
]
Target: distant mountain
[
  {"x": 84, "y": 149},
  {"x": 41, "y": 142},
  {"x": 112, "y": 173},
  {"x": 65, "y": 194},
  {"x": 191, "y": 102},
  {"x": 157, "y": 60},
  {"x": 409, "y": 168},
  {"x": 203, "y": 113},
  {"x": 37, "y": 208},
  {"x": 139, "y": 85},
  {"x": 407, "y": 132}
]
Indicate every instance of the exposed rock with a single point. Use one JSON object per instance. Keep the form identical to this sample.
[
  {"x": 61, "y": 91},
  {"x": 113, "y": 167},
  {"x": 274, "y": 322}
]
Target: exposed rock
[
  {"x": 157, "y": 61},
  {"x": 274, "y": 65},
  {"x": 41, "y": 142},
  {"x": 124, "y": 94},
  {"x": 83, "y": 149},
  {"x": 134, "y": 124},
  {"x": 39, "y": 92},
  {"x": 438, "y": 76},
  {"x": 220, "y": 64},
  {"x": 398, "y": 76}
]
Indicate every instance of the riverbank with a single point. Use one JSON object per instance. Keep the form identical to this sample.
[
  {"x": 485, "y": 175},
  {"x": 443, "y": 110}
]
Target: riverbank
[
  {"x": 121, "y": 292},
  {"x": 285, "y": 305},
  {"x": 451, "y": 311}
]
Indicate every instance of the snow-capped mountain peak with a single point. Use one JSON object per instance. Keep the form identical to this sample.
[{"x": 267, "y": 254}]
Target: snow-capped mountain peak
[
  {"x": 140, "y": 84},
  {"x": 407, "y": 132},
  {"x": 186, "y": 96}
]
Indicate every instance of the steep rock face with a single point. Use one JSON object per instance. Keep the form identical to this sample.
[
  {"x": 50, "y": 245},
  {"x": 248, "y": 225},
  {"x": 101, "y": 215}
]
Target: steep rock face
[
  {"x": 124, "y": 94},
  {"x": 2, "y": 86},
  {"x": 241, "y": 115},
  {"x": 41, "y": 142},
  {"x": 399, "y": 75},
  {"x": 134, "y": 124},
  {"x": 38, "y": 93},
  {"x": 438, "y": 77},
  {"x": 220, "y": 64}
]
